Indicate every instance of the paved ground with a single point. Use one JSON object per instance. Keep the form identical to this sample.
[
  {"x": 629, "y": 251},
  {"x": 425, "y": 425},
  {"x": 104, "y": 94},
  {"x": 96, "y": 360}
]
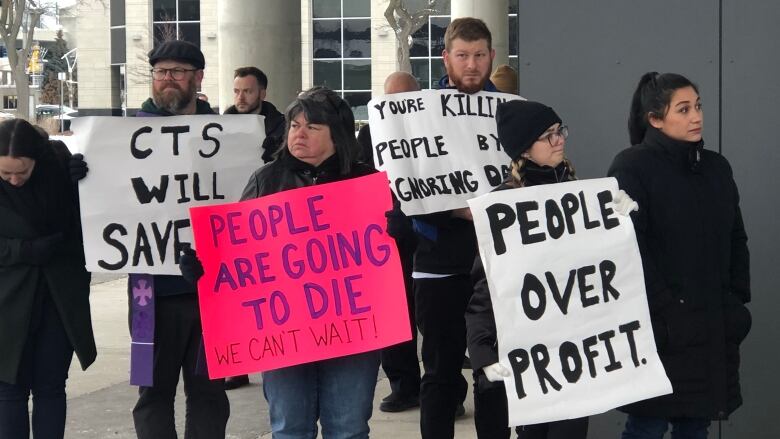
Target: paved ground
[{"x": 100, "y": 400}]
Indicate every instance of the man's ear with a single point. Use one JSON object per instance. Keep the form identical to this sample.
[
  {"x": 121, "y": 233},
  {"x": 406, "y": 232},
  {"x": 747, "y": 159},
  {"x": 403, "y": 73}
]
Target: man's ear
[
  {"x": 198, "y": 77},
  {"x": 262, "y": 94}
]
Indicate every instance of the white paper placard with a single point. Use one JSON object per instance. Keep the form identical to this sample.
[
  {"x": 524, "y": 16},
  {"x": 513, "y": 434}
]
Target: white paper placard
[
  {"x": 568, "y": 293},
  {"x": 439, "y": 147},
  {"x": 144, "y": 175}
]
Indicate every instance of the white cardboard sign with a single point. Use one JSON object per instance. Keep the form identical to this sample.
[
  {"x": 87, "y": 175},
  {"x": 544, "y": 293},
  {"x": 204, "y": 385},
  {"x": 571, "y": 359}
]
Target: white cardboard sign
[
  {"x": 568, "y": 293},
  {"x": 439, "y": 147},
  {"x": 144, "y": 175}
]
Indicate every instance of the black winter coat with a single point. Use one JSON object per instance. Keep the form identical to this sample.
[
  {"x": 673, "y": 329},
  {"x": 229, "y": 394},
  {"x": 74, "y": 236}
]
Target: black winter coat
[
  {"x": 696, "y": 266},
  {"x": 45, "y": 205}
]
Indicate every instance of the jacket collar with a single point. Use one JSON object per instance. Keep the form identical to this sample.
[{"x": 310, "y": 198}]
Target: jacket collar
[
  {"x": 329, "y": 166},
  {"x": 535, "y": 174},
  {"x": 687, "y": 154}
]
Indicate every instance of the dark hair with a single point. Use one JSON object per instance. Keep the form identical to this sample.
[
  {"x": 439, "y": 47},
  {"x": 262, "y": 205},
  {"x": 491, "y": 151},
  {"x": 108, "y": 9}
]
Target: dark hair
[
  {"x": 322, "y": 105},
  {"x": 242, "y": 72},
  {"x": 652, "y": 98},
  {"x": 468, "y": 29},
  {"x": 19, "y": 138}
]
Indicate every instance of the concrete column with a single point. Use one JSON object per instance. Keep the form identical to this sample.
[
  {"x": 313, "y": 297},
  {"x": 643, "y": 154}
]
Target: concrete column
[
  {"x": 92, "y": 24},
  {"x": 140, "y": 40},
  {"x": 265, "y": 34},
  {"x": 494, "y": 14},
  {"x": 383, "y": 47}
]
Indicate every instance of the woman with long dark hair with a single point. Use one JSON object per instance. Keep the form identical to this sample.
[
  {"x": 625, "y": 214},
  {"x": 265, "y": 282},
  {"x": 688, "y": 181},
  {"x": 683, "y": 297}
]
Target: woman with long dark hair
[
  {"x": 44, "y": 287},
  {"x": 694, "y": 254}
]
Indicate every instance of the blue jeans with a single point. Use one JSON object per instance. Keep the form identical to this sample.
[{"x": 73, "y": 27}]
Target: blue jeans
[
  {"x": 339, "y": 392},
  {"x": 43, "y": 370},
  {"x": 640, "y": 427}
]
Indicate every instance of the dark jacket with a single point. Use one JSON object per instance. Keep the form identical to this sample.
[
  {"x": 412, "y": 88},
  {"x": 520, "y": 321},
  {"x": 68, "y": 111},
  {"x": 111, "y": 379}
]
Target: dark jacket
[
  {"x": 481, "y": 336},
  {"x": 287, "y": 172},
  {"x": 165, "y": 284},
  {"x": 45, "y": 206},
  {"x": 696, "y": 266},
  {"x": 274, "y": 129},
  {"x": 445, "y": 244}
]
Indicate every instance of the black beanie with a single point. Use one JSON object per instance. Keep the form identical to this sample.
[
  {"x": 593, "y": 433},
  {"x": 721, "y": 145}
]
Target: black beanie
[
  {"x": 520, "y": 123},
  {"x": 178, "y": 50}
]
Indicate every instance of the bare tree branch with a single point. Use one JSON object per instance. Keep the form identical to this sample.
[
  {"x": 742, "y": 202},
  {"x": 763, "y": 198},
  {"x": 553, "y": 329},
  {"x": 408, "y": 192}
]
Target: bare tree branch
[{"x": 405, "y": 23}]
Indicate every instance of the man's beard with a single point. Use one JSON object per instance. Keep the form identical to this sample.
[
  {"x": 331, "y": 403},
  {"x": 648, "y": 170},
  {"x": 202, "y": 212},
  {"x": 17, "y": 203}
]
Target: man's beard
[
  {"x": 253, "y": 109},
  {"x": 176, "y": 101},
  {"x": 469, "y": 88}
]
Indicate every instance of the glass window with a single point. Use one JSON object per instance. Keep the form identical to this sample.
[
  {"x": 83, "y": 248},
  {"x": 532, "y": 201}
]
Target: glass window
[
  {"x": 357, "y": 75},
  {"x": 420, "y": 42},
  {"x": 513, "y": 34},
  {"x": 326, "y": 8},
  {"x": 438, "y": 27},
  {"x": 437, "y": 71},
  {"x": 189, "y": 10},
  {"x": 117, "y": 12},
  {"x": 357, "y": 8},
  {"x": 420, "y": 71},
  {"x": 164, "y": 10},
  {"x": 190, "y": 32},
  {"x": 118, "y": 48},
  {"x": 358, "y": 102},
  {"x": 357, "y": 38},
  {"x": 513, "y": 6},
  {"x": 328, "y": 74},
  {"x": 327, "y": 39},
  {"x": 164, "y": 32}
]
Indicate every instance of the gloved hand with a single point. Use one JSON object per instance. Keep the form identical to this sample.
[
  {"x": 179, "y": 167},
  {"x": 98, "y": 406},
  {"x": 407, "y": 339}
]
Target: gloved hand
[
  {"x": 496, "y": 372},
  {"x": 189, "y": 265},
  {"x": 39, "y": 251},
  {"x": 398, "y": 224},
  {"x": 623, "y": 203},
  {"x": 77, "y": 167}
]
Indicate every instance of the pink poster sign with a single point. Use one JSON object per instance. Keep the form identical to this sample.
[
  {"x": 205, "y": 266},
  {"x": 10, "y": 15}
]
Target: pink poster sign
[{"x": 299, "y": 276}]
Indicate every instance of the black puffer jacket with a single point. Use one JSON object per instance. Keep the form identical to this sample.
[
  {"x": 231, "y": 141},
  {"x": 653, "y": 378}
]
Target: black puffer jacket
[
  {"x": 696, "y": 265},
  {"x": 287, "y": 172}
]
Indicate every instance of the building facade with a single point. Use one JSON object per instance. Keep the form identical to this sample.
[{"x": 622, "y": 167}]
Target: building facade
[{"x": 346, "y": 45}]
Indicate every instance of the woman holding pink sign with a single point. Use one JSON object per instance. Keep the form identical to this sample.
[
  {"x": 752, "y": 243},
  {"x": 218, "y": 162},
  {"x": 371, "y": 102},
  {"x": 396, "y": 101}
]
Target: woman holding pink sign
[{"x": 319, "y": 147}]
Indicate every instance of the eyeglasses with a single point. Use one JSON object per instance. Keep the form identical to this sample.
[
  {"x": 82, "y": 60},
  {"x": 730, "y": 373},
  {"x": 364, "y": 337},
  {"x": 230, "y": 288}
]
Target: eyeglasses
[
  {"x": 562, "y": 133},
  {"x": 177, "y": 74}
]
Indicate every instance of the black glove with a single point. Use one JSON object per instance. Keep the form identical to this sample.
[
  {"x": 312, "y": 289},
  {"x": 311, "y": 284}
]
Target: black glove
[
  {"x": 39, "y": 251},
  {"x": 189, "y": 265},
  {"x": 398, "y": 224},
  {"x": 77, "y": 167}
]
